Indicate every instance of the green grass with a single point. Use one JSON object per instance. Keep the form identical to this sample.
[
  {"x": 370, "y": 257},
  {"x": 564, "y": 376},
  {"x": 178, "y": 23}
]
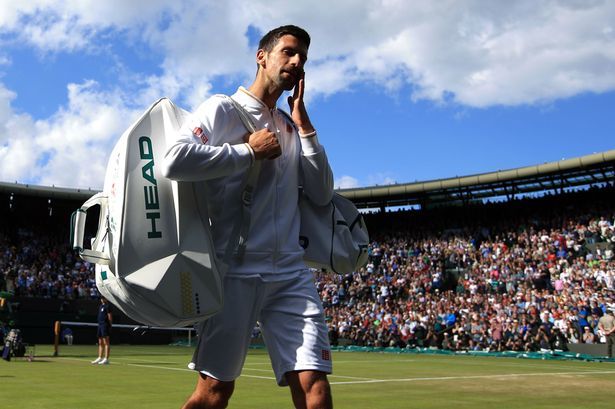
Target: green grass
[{"x": 154, "y": 377}]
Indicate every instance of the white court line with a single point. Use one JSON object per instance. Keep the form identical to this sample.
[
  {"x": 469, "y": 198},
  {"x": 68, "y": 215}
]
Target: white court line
[
  {"x": 449, "y": 378},
  {"x": 160, "y": 367},
  {"x": 335, "y": 376},
  {"x": 468, "y": 363},
  {"x": 147, "y": 351},
  {"x": 529, "y": 365},
  {"x": 367, "y": 380},
  {"x": 145, "y": 360},
  {"x": 120, "y": 359},
  {"x": 438, "y": 378},
  {"x": 361, "y": 380},
  {"x": 267, "y": 362},
  {"x": 191, "y": 370},
  {"x": 349, "y": 377},
  {"x": 444, "y": 359},
  {"x": 370, "y": 361},
  {"x": 257, "y": 377}
]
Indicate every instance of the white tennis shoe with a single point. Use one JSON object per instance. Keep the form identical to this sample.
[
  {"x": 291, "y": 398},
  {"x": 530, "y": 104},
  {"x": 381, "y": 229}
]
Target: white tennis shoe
[
  {"x": 103, "y": 361},
  {"x": 97, "y": 360}
]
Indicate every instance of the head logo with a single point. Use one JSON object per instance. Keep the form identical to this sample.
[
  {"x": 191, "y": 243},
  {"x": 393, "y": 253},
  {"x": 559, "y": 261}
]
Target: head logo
[{"x": 150, "y": 189}]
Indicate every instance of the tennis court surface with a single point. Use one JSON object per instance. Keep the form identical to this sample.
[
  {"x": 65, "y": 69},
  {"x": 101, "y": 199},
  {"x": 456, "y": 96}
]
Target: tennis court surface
[{"x": 157, "y": 377}]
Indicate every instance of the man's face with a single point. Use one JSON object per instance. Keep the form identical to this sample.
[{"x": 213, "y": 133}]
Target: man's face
[{"x": 283, "y": 65}]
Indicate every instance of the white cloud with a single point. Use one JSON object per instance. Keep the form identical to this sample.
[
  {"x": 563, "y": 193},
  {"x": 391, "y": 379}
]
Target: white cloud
[
  {"x": 350, "y": 182},
  {"x": 16, "y": 159},
  {"x": 478, "y": 53},
  {"x": 346, "y": 182},
  {"x": 381, "y": 179},
  {"x": 70, "y": 148},
  {"x": 82, "y": 135},
  {"x": 56, "y": 34},
  {"x": 83, "y": 25}
]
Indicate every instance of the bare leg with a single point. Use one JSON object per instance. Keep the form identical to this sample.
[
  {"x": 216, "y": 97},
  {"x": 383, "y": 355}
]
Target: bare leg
[
  {"x": 310, "y": 389},
  {"x": 210, "y": 393},
  {"x": 107, "y": 348}
]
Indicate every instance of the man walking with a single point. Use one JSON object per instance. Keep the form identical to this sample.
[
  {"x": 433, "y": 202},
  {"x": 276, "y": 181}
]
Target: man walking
[{"x": 268, "y": 282}]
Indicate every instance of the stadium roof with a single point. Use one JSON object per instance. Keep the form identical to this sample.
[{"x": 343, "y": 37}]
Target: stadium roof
[
  {"x": 589, "y": 170},
  {"x": 50, "y": 192}
]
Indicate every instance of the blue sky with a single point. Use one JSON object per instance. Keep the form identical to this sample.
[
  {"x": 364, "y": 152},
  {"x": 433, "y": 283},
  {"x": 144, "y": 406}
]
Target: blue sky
[{"x": 400, "y": 91}]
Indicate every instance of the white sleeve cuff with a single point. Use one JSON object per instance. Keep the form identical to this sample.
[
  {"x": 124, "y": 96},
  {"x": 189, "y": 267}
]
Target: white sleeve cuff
[
  {"x": 253, "y": 156},
  {"x": 310, "y": 144}
]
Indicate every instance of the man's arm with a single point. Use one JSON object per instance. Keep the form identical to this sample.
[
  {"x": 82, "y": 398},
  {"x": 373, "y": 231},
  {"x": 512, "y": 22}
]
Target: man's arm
[
  {"x": 317, "y": 174},
  {"x": 203, "y": 149},
  {"x": 297, "y": 108}
]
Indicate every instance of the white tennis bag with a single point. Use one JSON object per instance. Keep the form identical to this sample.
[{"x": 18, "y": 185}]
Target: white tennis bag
[
  {"x": 153, "y": 252},
  {"x": 334, "y": 236}
]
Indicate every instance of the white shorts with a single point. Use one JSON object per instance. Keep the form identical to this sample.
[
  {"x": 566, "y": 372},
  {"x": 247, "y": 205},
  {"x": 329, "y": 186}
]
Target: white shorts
[{"x": 291, "y": 318}]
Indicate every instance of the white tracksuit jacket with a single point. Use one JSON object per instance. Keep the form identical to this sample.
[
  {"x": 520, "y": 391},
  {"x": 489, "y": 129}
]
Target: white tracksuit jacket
[{"x": 210, "y": 149}]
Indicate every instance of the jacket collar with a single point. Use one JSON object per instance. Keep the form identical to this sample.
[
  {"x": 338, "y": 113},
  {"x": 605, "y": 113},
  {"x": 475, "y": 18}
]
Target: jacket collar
[{"x": 249, "y": 100}]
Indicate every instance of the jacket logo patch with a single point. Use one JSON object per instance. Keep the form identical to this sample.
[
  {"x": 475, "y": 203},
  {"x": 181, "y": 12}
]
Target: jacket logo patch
[
  {"x": 326, "y": 355},
  {"x": 198, "y": 132}
]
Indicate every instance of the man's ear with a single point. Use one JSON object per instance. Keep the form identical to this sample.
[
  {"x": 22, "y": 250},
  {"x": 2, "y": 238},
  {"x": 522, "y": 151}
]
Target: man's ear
[{"x": 260, "y": 58}]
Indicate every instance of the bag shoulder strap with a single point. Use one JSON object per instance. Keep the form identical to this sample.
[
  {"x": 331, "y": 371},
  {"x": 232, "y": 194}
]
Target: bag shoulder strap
[
  {"x": 288, "y": 118},
  {"x": 239, "y": 236}
]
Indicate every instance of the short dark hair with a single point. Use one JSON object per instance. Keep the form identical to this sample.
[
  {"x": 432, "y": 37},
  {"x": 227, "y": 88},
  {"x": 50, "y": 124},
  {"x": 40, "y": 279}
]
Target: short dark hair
[{"x": 270, "y": 39}]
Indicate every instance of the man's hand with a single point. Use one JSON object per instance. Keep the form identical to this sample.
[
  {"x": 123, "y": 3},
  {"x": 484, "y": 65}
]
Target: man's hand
[
  {"x": 297, "y": 108},
  {"x": 264, "y": 143}
]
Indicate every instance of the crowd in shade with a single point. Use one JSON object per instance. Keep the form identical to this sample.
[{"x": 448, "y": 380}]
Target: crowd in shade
[
  {"x": 41, "y": 265},
  {"x": 527, "y": 275},
  {"x": 520, "y": 275}
]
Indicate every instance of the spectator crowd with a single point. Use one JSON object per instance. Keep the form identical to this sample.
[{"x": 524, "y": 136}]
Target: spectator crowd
[
  {"x": 525, "y": 276},
  {"x": 522, "y": 275},
  {"x": 41, "y": 265}
]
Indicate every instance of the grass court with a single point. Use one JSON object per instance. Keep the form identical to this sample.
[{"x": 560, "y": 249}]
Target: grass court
[{"x": 153, "y": 377}]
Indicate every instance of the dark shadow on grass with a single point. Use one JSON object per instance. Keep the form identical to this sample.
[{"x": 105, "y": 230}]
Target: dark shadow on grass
[
  {"x": 65, "y": 356},
  {"x": 36, "y": 359}
]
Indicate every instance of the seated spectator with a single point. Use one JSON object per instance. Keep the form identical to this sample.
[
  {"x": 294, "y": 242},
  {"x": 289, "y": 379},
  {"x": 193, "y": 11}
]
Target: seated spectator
[{"x": 588, "y": 336}]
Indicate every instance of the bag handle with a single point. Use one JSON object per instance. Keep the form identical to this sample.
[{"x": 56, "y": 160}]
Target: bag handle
[{"x": 77, "y": 228}]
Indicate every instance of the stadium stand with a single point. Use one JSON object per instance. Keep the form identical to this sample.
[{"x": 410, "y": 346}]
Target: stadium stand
[
  {"x": 524, "y": 274},
  {"x": 42, "y": 280}
]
